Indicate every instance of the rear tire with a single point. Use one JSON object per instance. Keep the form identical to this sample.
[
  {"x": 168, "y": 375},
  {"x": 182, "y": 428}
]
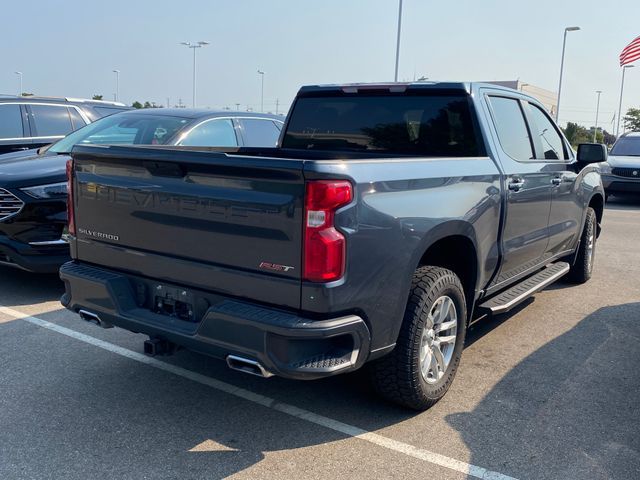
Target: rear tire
[
  {"x": 421, "y": 368},
  {"x": 583, "y": 266}
]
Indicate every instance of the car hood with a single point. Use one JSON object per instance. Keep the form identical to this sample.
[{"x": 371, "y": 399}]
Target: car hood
[
  {"x": 27, "y": 168},
  {"x": 624, "y": 161}
]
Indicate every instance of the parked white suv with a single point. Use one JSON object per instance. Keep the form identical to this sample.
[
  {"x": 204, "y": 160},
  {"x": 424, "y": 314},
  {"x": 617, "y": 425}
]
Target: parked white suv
[{"x": 623, "y": 171}]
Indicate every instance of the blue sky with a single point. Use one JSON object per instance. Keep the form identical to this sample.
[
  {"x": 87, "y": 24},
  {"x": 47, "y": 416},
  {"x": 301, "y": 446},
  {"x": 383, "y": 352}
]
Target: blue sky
[{"x": 69, "y": 48}]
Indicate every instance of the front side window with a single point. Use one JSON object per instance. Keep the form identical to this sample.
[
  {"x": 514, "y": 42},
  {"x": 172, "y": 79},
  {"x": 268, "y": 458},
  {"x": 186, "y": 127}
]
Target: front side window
[
  {"x": 511, "y": 127},
  {"x": 10, "y": 121},
  {"x": 260, "y": 133},
  {"x": 51, "y": 120},
  {"x": 422, "y": 124},
  {"x": 552, "y": 144},
  {"x": 212, "y": 133}
]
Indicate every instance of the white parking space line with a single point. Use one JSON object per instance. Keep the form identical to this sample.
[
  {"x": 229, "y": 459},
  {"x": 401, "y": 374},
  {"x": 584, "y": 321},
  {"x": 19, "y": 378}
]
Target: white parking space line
[{"x": 326, "y": 422}]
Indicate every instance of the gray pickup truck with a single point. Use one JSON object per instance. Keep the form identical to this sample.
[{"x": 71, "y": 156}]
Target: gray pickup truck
[{"x": 388, "y": 218}]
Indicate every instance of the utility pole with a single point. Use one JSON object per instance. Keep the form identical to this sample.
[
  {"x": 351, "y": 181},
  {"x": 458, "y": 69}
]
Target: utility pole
[
  {"x": 595, "y": 130},
  {"x": 194, "y": 46},
  {"x": 237, "y": 106},
  {"x": 395, "y": 77},
  {"x": 277, "y": 104}
]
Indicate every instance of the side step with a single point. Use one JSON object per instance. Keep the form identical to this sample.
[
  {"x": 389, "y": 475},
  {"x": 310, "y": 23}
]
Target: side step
[{"x": 505, "y": 301}]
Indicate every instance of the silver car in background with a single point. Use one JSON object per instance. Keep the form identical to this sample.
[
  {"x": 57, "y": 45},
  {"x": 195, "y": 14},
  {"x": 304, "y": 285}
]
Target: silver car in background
[{"x": 621, "y": 174}]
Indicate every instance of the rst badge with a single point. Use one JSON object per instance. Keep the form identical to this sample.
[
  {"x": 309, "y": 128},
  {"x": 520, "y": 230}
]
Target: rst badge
[{"x": 275, "y": 267}]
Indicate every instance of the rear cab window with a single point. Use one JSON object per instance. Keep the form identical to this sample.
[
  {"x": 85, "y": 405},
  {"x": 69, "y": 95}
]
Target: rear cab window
[{"x": 431, "y": 124}]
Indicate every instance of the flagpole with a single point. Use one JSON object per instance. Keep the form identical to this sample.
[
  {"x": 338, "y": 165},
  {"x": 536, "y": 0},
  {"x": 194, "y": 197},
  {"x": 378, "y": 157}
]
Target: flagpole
[{"x": 620, "y": 103}]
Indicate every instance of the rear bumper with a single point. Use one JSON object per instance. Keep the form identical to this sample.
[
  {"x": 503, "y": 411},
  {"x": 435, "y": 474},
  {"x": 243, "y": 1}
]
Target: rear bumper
[
  {"x": 614, "y": 184},
  {"x": 33, "y": 258},
  {"x": 285, "y": 344}
]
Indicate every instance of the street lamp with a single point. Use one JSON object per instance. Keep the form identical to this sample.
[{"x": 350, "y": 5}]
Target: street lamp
[
  {"x": 620, "y": 104},
  {"x": 395, "y": 78},
  {"x": 261, "y": 73},
  {"x": 595, "y": 130},
  {"x": 564, "y": 44},
  {"x": 20, "y": 74},
  {"x": 117, "y": 72},
  {"x": 194, "y": 46}
]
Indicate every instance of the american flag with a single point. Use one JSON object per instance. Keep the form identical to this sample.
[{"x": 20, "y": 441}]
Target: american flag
[{"x": 631, "y": 52}]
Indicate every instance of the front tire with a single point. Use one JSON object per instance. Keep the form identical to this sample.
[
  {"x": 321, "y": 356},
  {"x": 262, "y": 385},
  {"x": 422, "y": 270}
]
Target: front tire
[
  {"x": 583, "y": 266},
  {"x": 421, "y": 368}
]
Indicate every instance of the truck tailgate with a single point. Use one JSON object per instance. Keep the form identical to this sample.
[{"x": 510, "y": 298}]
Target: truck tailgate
[{"x": 215, "y": 221}]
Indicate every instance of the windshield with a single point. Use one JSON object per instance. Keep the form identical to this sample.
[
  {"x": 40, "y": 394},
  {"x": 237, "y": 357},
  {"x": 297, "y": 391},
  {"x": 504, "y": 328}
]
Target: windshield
[
  {"x": 627, "y": 146},
  {"x": 123, "y": 129}
]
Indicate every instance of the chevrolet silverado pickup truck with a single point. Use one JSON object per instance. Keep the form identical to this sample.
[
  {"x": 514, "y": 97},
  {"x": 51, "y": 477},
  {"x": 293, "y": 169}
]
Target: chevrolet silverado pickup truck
[{"x": 388, "y": 217}]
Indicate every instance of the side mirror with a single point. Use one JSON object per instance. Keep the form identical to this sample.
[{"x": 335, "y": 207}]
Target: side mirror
[{"x": 592, "y": 153}]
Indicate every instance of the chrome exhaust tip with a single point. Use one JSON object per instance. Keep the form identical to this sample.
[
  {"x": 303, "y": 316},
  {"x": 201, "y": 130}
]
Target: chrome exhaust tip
[
  {"x": 247, "y": 366},
  {"x": 93, "y": 318}
]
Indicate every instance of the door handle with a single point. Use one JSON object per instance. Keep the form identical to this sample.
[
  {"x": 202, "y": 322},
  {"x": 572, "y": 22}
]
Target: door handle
[
  {"x": 516, "y": 184},
  {"x": 556, "y": 180}
]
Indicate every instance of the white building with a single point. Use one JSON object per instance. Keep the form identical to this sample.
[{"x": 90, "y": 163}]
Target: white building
[{"x": 546, "y": 97}]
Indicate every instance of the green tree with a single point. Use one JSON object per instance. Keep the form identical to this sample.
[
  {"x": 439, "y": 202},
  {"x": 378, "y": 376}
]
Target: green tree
[
  {"x": 632, "y": 120},
  {"x": 136, "y": 104},
  {"x": 577, "y": 134},
  {"x": 96, "y": 97}
]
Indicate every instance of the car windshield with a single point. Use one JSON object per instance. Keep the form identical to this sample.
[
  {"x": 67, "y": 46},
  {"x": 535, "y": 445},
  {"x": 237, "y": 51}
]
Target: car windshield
[
  {"x": 123, "y": 129},
  {"x": 627, "y": 146}
]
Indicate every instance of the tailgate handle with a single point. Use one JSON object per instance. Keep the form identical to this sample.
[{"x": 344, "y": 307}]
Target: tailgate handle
[{"x": 164, "y": 169}]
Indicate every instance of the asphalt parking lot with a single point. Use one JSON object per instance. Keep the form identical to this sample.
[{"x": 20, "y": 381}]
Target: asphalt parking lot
[{"x": 546, "y": 392}]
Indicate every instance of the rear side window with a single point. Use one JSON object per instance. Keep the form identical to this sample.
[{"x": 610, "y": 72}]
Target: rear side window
[
  {"x": 425, "y": 125},
  {"x": 552, "y": 144},
  {"x": 512, "y": 129},
  {"x": 77, "y": 120},
  {"x": 51, "y": 120},
  {"x": 212, "y": 133},
  {"x": 259, "y": 133},
  {"x": 10, "y": 121}
]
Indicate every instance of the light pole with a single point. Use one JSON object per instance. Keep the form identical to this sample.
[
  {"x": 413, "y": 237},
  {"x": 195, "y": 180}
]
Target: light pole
[
  {"x": 20, "y": 75},
  {"x": 261, "y": 73},
  {"x": 194, "y": 46},
  {"x": 117, "y": 72},
  {"x": 395, "y": 78},
  {"x": 620, "y": 104},
  {"x": 595, "y": 130},
  {"x": 564, "y": 44}
]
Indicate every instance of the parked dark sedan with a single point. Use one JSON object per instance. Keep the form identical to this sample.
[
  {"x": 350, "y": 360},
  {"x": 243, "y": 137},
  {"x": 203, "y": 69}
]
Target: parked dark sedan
[
  {"x": 32, "y": 122},
  {"x": 33, "y": 187}
]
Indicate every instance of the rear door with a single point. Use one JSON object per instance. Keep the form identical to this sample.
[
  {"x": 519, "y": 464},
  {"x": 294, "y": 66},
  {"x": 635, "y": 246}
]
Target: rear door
[
  {"x": 527, "y": 186},
  {"x": 225, "y": 223}
]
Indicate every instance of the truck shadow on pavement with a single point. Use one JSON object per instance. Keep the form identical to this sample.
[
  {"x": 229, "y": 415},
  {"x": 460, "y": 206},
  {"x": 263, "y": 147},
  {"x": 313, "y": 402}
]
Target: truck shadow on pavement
[
  {"x": 570, "y": 410},
  {"x": 26, "y": 288}
]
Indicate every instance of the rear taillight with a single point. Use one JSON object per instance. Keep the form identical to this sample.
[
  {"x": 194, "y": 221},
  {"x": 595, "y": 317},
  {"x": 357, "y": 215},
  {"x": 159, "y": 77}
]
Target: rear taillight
[
  {"x": 324, "y": 246},
  {"x": 71, "y": 220}
]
